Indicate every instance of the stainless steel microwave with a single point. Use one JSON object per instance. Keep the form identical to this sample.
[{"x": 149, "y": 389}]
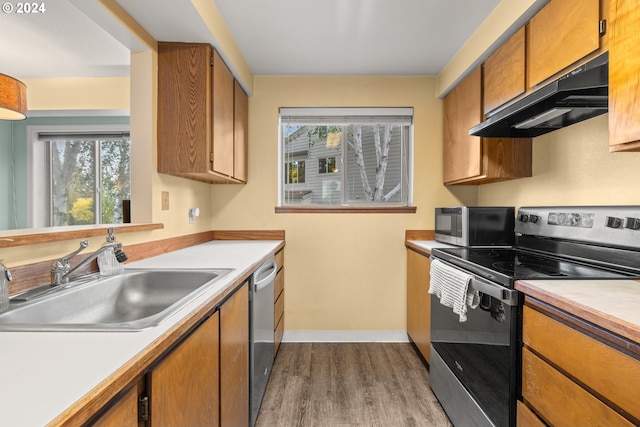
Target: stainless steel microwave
[{"x": 477, "y": 226}]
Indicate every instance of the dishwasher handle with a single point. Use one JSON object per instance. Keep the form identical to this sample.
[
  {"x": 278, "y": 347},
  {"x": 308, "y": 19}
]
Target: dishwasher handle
[{"x": 257, "y": 286}]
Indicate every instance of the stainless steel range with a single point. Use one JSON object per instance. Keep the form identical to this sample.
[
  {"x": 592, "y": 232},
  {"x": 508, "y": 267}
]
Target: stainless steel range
[{"x": 475, "y": 364}]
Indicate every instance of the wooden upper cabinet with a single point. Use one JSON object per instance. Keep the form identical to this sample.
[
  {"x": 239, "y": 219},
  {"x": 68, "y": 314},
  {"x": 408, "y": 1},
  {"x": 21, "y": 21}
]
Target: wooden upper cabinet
[
  {"x": 560, "y": 34},
  {"x": 196, "y": 115},
  {"x": 462, "y": 153},
  {"x": 222, "y": 107},
  {"x": 624, "y": 76},
  {"x": 240, "y": 132},
  {"x": 184, "y": 109},
  {"x": 470, "y": 159},
  {"x": 504, "y": 72}
]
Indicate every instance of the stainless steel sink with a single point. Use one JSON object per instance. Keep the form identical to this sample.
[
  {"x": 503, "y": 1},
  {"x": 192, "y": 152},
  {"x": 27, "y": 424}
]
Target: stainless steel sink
[{"x": 131, "y": 301}]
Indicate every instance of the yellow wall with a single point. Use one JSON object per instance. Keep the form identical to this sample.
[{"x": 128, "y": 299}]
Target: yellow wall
[
  {"x": 572, "y": 166},
  {"x": 343, "y": 271},
  {"x": 103, "y": 93}
]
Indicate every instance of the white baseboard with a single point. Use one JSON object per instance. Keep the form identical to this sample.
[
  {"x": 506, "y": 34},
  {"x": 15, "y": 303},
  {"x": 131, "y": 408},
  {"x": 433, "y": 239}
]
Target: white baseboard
[{"x": 345, "y": 336}]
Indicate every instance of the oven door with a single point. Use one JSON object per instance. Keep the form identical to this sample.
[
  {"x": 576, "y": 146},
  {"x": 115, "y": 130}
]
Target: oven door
[{"x": 475, "y": 364}]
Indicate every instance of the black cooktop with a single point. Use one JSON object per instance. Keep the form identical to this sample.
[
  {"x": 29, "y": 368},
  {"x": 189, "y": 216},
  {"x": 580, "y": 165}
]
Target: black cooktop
[{"x": 506, "y": 265}]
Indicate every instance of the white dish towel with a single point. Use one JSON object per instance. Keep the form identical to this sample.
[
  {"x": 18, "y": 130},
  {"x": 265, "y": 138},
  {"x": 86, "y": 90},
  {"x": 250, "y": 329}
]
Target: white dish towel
[{"x": 452, "y": 287}]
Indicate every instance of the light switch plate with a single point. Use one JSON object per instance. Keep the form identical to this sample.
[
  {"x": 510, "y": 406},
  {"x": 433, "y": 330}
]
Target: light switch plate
[{"x": 165, "y": 200}]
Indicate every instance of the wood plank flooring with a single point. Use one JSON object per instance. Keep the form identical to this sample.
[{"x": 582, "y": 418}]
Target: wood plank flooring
[{"x": 349, "y": 384}]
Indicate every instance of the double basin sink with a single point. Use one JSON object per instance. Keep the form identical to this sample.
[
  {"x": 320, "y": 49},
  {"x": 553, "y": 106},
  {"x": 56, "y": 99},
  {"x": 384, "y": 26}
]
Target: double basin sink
[{"x": 131, "y": 301}]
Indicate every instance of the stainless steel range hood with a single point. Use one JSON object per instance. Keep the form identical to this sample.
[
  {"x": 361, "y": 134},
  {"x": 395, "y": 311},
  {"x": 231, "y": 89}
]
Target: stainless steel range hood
[{"x": 577, "y": 96}]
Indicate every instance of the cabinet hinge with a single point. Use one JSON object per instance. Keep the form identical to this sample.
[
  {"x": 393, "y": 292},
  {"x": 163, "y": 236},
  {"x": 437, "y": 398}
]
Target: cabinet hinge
[
  {"x": 211, "y": 157},
  {"x": 603, "y": 27},
  {"x": 211, "y": 60},
  {"x": 143, "y": 408}
]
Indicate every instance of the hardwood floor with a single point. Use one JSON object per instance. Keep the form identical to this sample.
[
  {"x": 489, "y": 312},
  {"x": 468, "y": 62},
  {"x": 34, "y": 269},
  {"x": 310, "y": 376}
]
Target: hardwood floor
[{"x": 349, "y": 384}]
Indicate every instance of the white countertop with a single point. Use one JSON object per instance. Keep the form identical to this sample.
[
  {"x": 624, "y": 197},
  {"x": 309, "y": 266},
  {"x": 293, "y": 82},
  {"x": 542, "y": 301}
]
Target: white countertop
[
  {"x": 430, "y": 244},
  {"x": 44, "y": 373}
]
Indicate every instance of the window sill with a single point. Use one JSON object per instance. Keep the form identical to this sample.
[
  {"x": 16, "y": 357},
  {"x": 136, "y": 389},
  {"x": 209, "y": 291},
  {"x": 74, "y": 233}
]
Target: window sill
[
  {"x": 30, "y": 236},
  {"x": 346, "y": 209}
]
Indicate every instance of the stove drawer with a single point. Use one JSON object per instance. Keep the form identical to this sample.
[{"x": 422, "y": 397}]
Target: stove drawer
[{"x": 587, "y": 363}]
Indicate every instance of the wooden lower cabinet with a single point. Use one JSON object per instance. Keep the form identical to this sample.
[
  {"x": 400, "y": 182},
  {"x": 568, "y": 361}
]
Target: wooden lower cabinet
[
  {"x": 279, "y": 302},
  {"x": 204, "y": 380},
  {"x": 184, "y": 386},
  {"x": 419, "y": 302},
  {"x": 570, "y": 378},
  {"x": 234, "y": 359},
  {"x": 124, "y": 412}
]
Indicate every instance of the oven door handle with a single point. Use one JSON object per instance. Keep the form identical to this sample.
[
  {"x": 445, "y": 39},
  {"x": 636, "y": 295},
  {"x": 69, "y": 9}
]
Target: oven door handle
[{"x": 508, "y": 296}]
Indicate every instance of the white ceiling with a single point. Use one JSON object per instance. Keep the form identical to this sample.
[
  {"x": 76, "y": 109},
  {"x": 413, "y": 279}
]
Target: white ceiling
[
  {"x": 60, "y": 42},
  {"x": 276, "y": 37}
]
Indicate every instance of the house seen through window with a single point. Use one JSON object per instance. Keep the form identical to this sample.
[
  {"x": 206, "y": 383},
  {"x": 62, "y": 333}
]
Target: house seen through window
[{"x": 345, "y": 156}]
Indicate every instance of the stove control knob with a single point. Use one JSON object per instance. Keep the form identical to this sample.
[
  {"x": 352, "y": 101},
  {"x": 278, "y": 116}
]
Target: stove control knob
[
  {"x": 632, "y": 223},
  {"x": 523, "y": 218},
  {"x": 534, "y": 218},
  {"x": 613, "y": 222}
]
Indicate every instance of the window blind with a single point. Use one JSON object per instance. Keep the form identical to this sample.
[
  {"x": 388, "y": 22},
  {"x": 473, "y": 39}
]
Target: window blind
[
  {"x": 82, "y": 136},
  {"x": 346, "y": 116}
]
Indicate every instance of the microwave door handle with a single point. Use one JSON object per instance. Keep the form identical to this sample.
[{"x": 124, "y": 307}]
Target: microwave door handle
[{"x": 507, "y": 296}]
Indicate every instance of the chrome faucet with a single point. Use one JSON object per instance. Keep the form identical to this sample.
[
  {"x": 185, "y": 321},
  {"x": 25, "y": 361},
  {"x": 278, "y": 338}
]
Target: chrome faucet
[{"x": 61, "y": 270}]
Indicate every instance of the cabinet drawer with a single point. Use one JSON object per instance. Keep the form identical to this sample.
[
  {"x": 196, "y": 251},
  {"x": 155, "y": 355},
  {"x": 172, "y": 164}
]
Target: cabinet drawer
[
  {"x": 279, "y": 309},
  {"x": 526, "y": 418},
  {"x": 278, "y": 334},
  {"x": 279, "y": 284},
  {"x": 603, "y": 369},
  {"x": 280, "y": 259},
  {"x": 561, "y": 401}
]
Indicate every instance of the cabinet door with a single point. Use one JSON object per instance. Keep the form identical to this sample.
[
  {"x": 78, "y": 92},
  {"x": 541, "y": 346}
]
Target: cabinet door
[
  {"x": 234, "y": 359},
  {"x": 561, "y": 33},
  {"x": 184, "y": 385},
  {"x": 183, "y": 108},
  {"x": 504, "y": 72},
  {"x": 222, "y": 109},
  {"x": 123, "y": 413},
  {"x": 624, "y": 76},
  {"x": 462, "y": 153},
  {"x": 240, "y": 132},
  {"x": 419, "y": 302}
]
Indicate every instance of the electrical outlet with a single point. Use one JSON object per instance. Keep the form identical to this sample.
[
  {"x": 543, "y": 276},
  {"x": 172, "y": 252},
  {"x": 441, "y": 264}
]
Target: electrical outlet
[{"x": 165, "y": 200}]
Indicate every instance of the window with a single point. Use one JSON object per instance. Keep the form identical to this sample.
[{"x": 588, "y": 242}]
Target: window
[
  {"x": 88, "y": 177},
  {"x": 295, "y": 172},
  {"x": 356, "y": 156},
  {"x": 327, "y": 165}
]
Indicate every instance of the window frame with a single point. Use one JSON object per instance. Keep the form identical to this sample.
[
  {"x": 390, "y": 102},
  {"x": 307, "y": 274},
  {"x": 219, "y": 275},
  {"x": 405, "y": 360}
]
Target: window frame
[
  {"x": 38, "y": 177},
  {"x": 330, "y": 115}
]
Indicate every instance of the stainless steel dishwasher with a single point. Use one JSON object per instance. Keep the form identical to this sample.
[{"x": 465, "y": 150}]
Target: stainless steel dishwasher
[{"x": 261, "y": 334}]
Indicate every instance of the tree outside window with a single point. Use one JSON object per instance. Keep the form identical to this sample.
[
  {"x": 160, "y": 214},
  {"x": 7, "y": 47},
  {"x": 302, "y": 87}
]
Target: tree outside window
[{"x": 89, "y": 178}]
